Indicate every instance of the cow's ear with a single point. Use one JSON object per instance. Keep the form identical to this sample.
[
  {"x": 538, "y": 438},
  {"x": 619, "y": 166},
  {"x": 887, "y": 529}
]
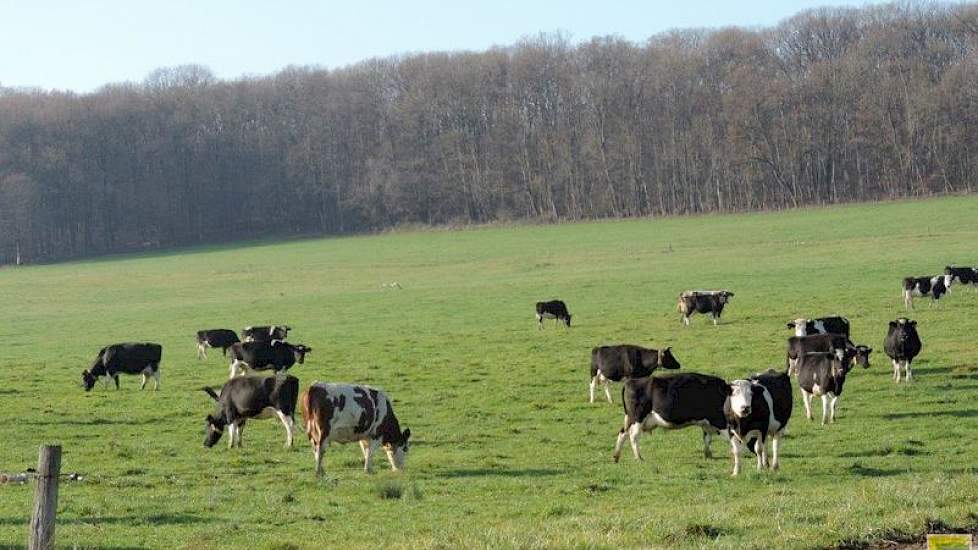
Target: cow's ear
[
  {"x": 729, "y": 389},
  {"x": 210, "y": 392},
  {"x": 668, "y": 349},
  {"x": 406, "y": 434},
  {"x": 913, "y": 323},
  {"x": 789, "y": 325},
  {"x": 210, "y": 419},
  {"x": 893, "y": 324}
]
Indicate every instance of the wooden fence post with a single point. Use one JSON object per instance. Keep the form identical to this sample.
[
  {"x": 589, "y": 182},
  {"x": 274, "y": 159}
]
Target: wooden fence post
[{"x": 41, "y": 536}]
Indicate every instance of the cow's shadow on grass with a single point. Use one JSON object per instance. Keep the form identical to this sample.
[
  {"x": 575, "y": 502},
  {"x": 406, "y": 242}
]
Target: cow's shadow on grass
[
  {"x": 155, "y": 519},
  {"x": 500, "y": 472},
  {"x": 867, "y": 471},
  {"x": 91, "y": 422},
  {"x": 967, "y": 413}
]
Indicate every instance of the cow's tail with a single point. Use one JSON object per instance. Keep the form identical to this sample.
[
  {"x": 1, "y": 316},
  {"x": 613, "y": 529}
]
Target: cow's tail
[
  {"x": 310, "y": 416},
  {"x": 594, "y": 362}
]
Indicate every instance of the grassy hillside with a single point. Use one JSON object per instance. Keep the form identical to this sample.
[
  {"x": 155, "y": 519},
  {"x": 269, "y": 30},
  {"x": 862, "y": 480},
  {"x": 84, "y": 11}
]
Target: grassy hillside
[{"x": 506, "y": 451}]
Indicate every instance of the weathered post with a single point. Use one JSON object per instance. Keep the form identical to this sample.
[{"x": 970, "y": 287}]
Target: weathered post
[{"x": 41, "y": 536}]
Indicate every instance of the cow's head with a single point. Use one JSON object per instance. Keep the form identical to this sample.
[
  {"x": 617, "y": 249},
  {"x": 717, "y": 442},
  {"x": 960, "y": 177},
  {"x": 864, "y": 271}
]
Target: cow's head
[
  {"x": 799, "y": 326},
  {"x": 567, "y": 319},
  {"x": 903, "y": 327},
  {"x": 741, "y": 396},
  {"x": 667, "y": 360},
  {"x": 213, "y": 425},
  {"x": 862, "y": 355},
  {"x": 88, "y": 379},
  {"x": 299, "y": 351},
  {"x": 725, "y": 296},
  {"x": 398, "y": 448}
]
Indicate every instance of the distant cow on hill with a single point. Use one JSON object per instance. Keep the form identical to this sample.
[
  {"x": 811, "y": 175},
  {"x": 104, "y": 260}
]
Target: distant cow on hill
[
  {"x": 932, "y": 286},
  {"x": 963, "y": 275},
  {"x": 215, "y": 338},
  {"x": 821, "y": 325},
  {"x": 554, "y": 309},
  {"x": 615, "y": 363},
  {"x": 709, "y": 302},
  {"x": 265, "y": 333}
]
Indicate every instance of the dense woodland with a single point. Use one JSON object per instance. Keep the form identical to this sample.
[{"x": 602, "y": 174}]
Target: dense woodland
[{"x": 832, "y": 105}]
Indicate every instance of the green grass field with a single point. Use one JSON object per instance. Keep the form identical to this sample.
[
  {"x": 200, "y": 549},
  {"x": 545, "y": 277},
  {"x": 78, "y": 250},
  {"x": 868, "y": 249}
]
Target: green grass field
[{"x": 506, "y": 452}]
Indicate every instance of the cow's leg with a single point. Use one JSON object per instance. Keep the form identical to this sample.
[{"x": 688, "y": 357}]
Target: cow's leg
[
  {"x": 233, "y": 370},
  {"x": 156, "y": 378},
  {"x": 594, "y": 383},
  {"x": 908, "y": 374},
  {"x": 896, "y": 370},
  {"x": 832, "y": 403},
  {"x": 369, "y": 446},
  {"x": 775, "y": 444},
  {"x": 607, "y": 388},
  {"x": 806, "y": 399},
  {"x": 634, "y": 432},
  {"x": 539, "y": 322},
  {"x": 318, "y": 449},
  {"x": 201, "y": 351},
  {"x": 735, "y": 449},
  {"x": 707, "y": 438},
  {"x": 686, "y": 320},
  {"x": 116, "y": 378},
  {"x": 825, "y": 407},
  {"x": 760, "y": 449},
  {"x": 231, "y": 429},
  {"x": 143, "y": 384},
  {"x": 620, "y": 442},
  {"x": 390, "y": 458},
  {"x": 908, "y": 299},
  {"x": 289, "y": 424}
]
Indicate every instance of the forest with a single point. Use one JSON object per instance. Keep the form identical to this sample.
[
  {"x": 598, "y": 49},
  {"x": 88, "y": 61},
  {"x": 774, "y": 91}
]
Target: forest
[{"x": 832, "y": 105}]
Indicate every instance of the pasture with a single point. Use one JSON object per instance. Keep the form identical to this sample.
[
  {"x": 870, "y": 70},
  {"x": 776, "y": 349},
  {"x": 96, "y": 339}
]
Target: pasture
[{"x": 506, "y": 451}]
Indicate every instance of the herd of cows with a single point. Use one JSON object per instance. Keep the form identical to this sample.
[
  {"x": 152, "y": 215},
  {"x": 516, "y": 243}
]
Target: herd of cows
[{"x": 748, "y": 411}]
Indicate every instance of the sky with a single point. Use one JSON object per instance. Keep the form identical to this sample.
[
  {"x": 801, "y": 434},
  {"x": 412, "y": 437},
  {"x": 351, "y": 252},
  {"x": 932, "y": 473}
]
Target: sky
[{"x": 80, "y": 45}]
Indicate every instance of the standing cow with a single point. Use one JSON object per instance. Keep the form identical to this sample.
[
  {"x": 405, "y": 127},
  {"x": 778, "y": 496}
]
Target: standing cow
[
  {"x": 709, "y": 302},
  {"x": 554, "y": 309},
  {"x": 758, "y": 409},
  {"x": 672, "y": 402},
  {"x": 215, "y": 338},
  {"x": 127, "y": 358},
  {"x": 963, "y": 275},
  {"x": 823, "y": 374},
  {"x": 902, "y": 344},
  {"x": 275, "y": 355},
  {"x": 344, "y": 413},
  {"x": 614, "y": 363},
  {"x": 932, "y": 286},
  {"x": 821, "y": 325}
]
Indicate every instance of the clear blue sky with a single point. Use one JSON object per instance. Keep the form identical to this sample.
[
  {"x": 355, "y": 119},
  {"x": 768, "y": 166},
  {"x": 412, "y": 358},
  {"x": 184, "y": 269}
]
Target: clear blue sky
[{"x": 80, "y": 45}]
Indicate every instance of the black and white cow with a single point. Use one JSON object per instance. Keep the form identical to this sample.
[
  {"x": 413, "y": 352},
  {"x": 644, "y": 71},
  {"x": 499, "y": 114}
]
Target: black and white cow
[
  {"x": 275, "y": 355},
  {"x": 215, "y": 338},
  {"x": 963, "y": 275},
  {"x": 932, "y": 286},
  {"x": 255, "y": 397},
  {"x": 613, "y": 363},
  {"x": 127, "y": 358},
  {"x": 757, "y": 409},
  {"x": 823, "y": 374},
  {"x": 554, "y": 309},
  {"x": 822, "y": 325},
  {"x": 902, "y": 344},
  {"x": 265, "y": 333},
  {"x": 344, "y": 413},
  {"x": 672, "y": 402},
  {"x": 798, "y": 346},
  {"x": 709, "y": 302}
]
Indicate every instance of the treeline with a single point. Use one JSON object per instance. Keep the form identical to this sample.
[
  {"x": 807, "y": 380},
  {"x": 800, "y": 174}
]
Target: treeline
[{"x": 832, "y": 105}]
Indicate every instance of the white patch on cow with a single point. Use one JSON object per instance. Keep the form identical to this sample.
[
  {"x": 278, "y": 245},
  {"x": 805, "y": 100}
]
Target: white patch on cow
[
  {"x": 773, "y": 425},
  {"x": 600, "y": 378},
  {"x": 896, "y": 371},
  {"x": 800, "y": 325},
  {"x": 806, "y": 399},
  {"x": 775, "y": 446},
  {"x": 735, "y": 449},
  {"x": 633, "y": 434},
  {"x": 201, "y": 350},
  {"x": 948, "y": 280},
  {"x": 286, "y": 421}
]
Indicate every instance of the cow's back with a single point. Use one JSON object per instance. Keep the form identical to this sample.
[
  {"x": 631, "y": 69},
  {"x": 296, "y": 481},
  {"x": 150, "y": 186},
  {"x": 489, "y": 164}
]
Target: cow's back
[{"x": 679, "y": 399}]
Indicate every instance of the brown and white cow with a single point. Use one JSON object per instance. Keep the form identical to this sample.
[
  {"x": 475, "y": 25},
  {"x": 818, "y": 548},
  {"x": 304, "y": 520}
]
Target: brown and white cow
[{"x": 344, "y": 413}]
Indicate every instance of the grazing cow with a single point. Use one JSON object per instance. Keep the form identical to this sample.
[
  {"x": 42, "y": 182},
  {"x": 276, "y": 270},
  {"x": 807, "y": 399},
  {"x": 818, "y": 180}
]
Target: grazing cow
[
  {"x": 902, "y": 344},
  {"x": 823, "y": 374},
  {"x": 798, "y": 346},
  {"x": 256, "y": 397},
  {"x": 709, "y": 302},
  {"x": 963, "y": 275},
  {"x": 554, "y": 309},
  {"x": 612, "y": 363},
  {"x": 923, "y": 286},
  {"x": 215, "y": 338},
  {"x": 344, "y": 413},
  {"x": 265, "y": 333},
  {"x": 127, "y": 358},
  {"x": 275, "y": 355},
  {"x": 672, "y": 402},
  {"x": 822, "y": 325}
]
